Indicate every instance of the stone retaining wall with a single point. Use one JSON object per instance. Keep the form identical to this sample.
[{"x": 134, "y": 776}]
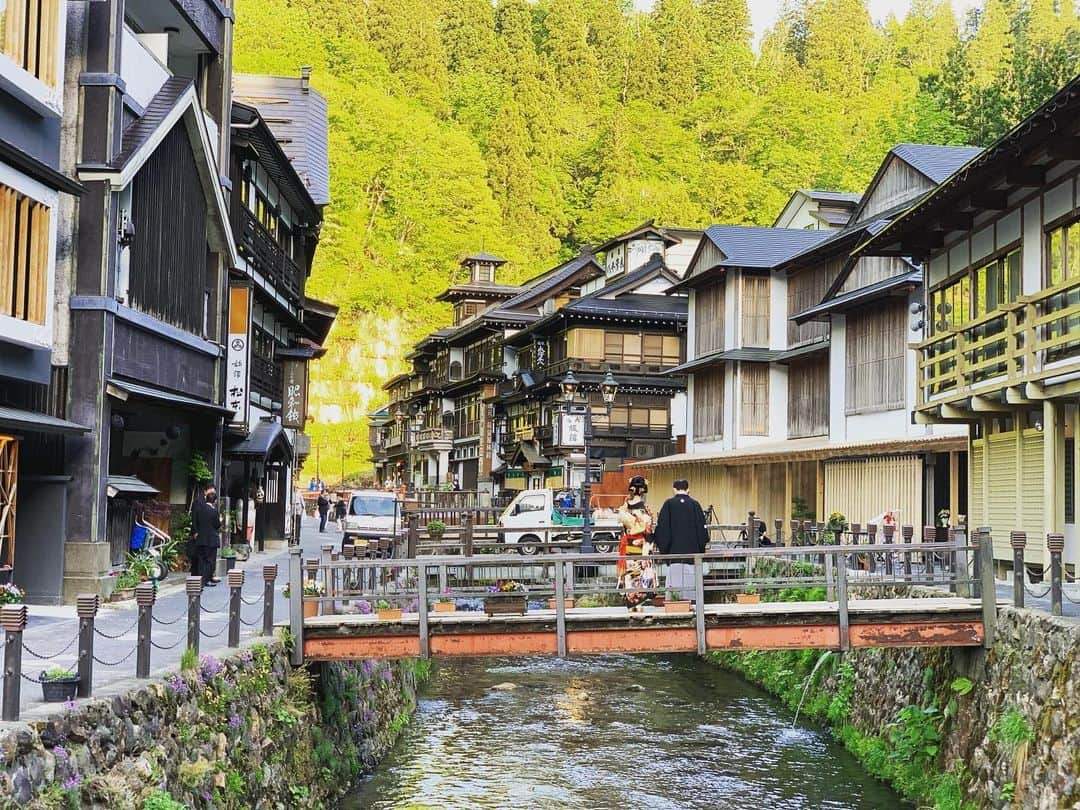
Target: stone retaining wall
[
  {"x": 1026, "y": 684},
  {"x": 246, "y": 731}
]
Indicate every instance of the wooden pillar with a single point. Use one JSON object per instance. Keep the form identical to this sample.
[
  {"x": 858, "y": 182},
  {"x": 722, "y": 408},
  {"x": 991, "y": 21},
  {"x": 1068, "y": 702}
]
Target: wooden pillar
[
  {"x": 982, "y": 519},
  {"x": 787, "y": 498},
  {"x": 819, "y": 500},
  {"x": 1053, "y": 467},
  {"x": 954, "y": 486},
  {"x": 754, "y": 505}
]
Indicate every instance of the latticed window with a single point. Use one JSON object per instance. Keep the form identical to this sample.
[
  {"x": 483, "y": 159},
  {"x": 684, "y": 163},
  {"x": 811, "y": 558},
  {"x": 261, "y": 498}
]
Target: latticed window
[
  {"x": 754, "y": 420},
  {"x": 709, "y": 404},
  {"x": 29, "y": 36},
  {"x": 875, "y": 358},
  {"x": 24, "y": 256}
]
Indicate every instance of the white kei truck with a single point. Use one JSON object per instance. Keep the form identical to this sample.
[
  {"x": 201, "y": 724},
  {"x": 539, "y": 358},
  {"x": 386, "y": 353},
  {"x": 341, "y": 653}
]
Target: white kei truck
[{"x": 533, "y": 519}]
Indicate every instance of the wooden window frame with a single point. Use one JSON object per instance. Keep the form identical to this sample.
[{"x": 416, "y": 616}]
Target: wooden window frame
[
  {"x": 754, "y": 325},
  {"x": 890, "y": 382},
  {"x": 709, "y": 388},
  {"x": 27, "y": 255},
  {"x": 754, "y": 399}
]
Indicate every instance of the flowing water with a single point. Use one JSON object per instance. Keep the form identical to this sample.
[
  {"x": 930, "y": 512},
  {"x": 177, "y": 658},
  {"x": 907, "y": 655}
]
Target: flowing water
[{"x": 621, "y": 732}]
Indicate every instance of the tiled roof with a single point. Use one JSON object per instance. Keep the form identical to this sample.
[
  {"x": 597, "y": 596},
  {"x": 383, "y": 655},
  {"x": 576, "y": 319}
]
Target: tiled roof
[
  {"x": 482, "y": 289},
  {"x": 142, "y": 129},
  {"x": 822, "y": 195},
  {"x": 662, "y": 307},
  {"x": 654, "y": 268},
  {"x": 483, "y": 257},
  {"x": 936, "y": 162},
  {"x": 551, "y": 280},
  {"x": 761, "y": 248},
  {"x": 858, "y": 297},
  {"x": 297, "y": 116}
]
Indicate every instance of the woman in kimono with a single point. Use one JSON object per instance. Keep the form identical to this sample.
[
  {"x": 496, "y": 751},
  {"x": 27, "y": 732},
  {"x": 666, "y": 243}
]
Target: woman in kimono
[{"x": 636, "y": 573}]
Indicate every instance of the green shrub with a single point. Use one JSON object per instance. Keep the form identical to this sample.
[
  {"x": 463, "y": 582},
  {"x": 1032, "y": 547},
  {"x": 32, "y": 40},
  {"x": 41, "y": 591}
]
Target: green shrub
[
  {"x": 160, "y": 800},
  {"x": 189, "y": 660},
  {"x": 1011, "y": 729}
]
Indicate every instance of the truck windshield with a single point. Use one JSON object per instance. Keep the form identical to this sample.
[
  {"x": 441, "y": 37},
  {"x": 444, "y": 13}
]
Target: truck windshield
[{"x": 371, "y": 505}]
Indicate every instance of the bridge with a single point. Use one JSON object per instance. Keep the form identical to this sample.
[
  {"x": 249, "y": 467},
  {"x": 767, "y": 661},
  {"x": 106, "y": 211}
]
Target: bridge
[{"x": 826, "y": 597}]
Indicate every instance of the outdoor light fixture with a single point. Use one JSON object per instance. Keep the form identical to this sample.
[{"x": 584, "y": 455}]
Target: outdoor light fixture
[
  {"x": 569, "y": 386},
  {"x": 399, "y": 417},
  {"x": 608, "y": 388}
]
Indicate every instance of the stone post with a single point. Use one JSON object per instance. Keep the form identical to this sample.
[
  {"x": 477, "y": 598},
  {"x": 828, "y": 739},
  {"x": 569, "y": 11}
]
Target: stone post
[
  {"x": 778, "y": 530},
  {"x": 13, "y": 621},
  {"x": 269, "y": 579},
  {"x": 871, "y": 538},
  {"x": 194, "y": 587},
  {"x": 888, "y": 538},
  {"x": 1018, "y": 541},
  {"x": 145, "y": 597},
  {"x": 296, "y": 603},
  {"x": 412, "y": 536},
  {"x": 751, "y": 529},
  {"x": 907, "y": 532},
  {"x": 86, "y": 607},
  {"x": 989, "y": 593},
  {"x": 236, "y": 587},
  {"x": 929, "y": 535},
  {"x": 1055, "y": 541}
]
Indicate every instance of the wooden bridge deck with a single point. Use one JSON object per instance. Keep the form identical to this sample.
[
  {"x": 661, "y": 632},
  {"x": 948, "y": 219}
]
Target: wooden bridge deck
[{"x": 938, "y": 622}]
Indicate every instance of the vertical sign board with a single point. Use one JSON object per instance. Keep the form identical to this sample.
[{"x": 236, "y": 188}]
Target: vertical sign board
[
  {"x": 237, "y": 378},
  {"x": 294, "y": 397},
  {"x": 571, "y": 430},
  {"x": 615, "y": 261}
]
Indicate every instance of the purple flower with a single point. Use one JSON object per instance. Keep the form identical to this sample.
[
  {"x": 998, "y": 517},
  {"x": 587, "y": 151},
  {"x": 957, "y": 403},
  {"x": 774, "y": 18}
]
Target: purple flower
[
  {"x": 211, "y": 667},
  {"x": 73, "y": 782},
  {"x": 60, "y": 752},
  {"x": 69, "y": 704},
  {"x": 387, "y": 675},
  {"x": 363, "y": 607},
  {"x": 234, "y": 721},
  {"x": 178, "y": 686}
]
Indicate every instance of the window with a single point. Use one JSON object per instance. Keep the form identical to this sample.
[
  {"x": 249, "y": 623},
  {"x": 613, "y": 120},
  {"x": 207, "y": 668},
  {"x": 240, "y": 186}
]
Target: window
[
  {"x": 754, "y": 420},
  {"x": 262, "y": 197},
  {"x": 709, "y": 319},
  {"x": 531, "y": 503},
  {"x": 805, "y": 290},
  {"x": 875, "y": 359},
  {"x": 467, "y": 416},
  {"x": 28, "y": 36},
  {"x": 709, "y": 404},
  {"x": 1063, "y": 262},
  {"x": 24, "y": 254},
  {"x": 808, "y": 398},
  {"x": 978, "y": 292},
  {"x": 755, "y": 311},
  {"x": 586, "y": 344}
]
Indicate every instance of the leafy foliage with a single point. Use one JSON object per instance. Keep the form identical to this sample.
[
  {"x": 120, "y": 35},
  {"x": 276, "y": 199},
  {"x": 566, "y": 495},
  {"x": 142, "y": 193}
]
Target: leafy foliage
[
  {"x": 527, "y": 129},
  {"x": 1012, "y": 729}
]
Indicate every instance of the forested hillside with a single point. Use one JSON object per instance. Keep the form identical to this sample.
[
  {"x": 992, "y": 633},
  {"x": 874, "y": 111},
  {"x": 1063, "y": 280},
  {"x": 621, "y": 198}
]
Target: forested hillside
[{"x": 528, "y": 129}]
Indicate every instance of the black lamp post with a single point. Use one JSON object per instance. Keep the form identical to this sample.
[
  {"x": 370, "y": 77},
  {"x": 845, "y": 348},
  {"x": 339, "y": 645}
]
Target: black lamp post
[
  {"x": 409, "y": 429},
  {"x": 608, "y": 388}
]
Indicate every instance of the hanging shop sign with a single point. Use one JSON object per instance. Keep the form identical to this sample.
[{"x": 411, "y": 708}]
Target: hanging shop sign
[
  {"x": 238, "y": 354},
  {"x": 294, "y": 396}
]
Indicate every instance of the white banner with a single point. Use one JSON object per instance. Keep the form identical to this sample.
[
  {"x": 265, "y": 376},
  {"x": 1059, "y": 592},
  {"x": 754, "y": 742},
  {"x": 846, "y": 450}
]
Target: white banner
[
  {"x": 236, "y": 383},
  {"x": 571, "y": 430}
]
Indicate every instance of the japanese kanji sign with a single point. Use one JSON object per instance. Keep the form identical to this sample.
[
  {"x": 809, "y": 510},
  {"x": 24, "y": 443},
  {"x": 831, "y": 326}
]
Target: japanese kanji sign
[
  {"x": 294, "y": 397},
  {"x": 237, "y": 379}
]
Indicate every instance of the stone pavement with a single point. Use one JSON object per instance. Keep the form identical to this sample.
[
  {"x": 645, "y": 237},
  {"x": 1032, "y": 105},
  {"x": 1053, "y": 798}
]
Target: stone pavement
[
  {"x": 1037, "y": 596},
  {"x": 52, "y": 630}
]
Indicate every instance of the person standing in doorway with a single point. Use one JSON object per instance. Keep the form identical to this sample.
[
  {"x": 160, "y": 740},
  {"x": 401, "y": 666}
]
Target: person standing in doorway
[
  {"x": 324, "y": 510},
  {"x": 206, "y": 526},
  {"x": 680, "y": 529}
]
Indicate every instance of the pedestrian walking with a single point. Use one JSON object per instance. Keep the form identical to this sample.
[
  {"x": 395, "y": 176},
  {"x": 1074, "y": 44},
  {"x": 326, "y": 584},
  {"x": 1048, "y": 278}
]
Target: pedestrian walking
[
  {"x": 340, "y": 510},
  {"x": 680, "y": 529},
  {"x": 324, "y": 510},
  {"x": 206, "y": 526}
]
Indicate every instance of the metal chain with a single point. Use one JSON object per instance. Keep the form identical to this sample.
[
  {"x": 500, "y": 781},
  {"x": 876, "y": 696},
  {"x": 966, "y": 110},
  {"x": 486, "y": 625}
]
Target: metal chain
[
  {"x": 115, "y": 663},
  {"x": 183, "y": 614},
  {"x": 205, "y": 609},
  {"x": 246, "y": 623},
  {"x": 1037, "y": 595},
  {"x": 103, "y": 634},
  {"x": 55, "y": 654},
  {"x": 221, "y": 630},
  {"x": 172, "y": 646},
  {"x": 257, "y": 600}
]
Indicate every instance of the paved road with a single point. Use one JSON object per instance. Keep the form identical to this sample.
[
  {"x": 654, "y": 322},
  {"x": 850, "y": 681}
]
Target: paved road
[
  {"x": 1037, "y": 596},
  {"x": 54, "y": 629}
]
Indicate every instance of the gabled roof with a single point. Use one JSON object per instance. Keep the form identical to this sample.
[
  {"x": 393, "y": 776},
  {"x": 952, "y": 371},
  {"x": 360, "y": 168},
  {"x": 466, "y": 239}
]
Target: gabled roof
[
  {"x": 986, "y": 171},
  {"x": 645, "y": 229},
  {"x": 934, "y": 161},
  {"x": 653, "y": 269},
  {"x": 753, "y": 247},
  {"x": 175, "y": 104},
  {"x": 825, "y": 196},
  {"x": 648, "y": 307},
  {"x": 582, "y": 267},
  {"x": 250, "y": 130},
  {"x": 483, "y": 257},
  {"x": 834, "y": 219},
  {"x": 484, "y": 290},
  {"x": 297, "y": 116},
  {"x": 267, "y": 440}
]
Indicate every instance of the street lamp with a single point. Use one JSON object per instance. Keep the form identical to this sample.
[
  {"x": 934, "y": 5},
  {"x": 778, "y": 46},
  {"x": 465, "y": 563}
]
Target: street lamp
[
  {"x": 569, "y": 387},
  {"x": 406, "y": 426}
]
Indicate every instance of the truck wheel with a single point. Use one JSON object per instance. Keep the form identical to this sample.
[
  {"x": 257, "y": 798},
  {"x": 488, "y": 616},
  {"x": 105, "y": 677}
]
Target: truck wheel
[
  {"x": 529, "y": 545},
  {"x": 604, "y": 544}
]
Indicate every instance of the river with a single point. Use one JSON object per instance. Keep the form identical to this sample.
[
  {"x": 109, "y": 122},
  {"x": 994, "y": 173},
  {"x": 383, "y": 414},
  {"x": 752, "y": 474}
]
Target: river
[{"x": 621, "y": 732}]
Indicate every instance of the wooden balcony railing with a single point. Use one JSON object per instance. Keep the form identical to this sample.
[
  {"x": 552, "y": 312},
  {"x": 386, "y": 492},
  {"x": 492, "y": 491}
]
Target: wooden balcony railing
[
  {"x": 266, "y": 378},
  {"x": 1035, "y": 337},
  {"x": 268, "y": 257}
]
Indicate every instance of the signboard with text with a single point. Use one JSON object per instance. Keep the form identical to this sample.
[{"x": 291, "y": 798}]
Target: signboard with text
[
  {"x": 237, "y": 356},
  {"x": 571, "y": 430},
  {"x": 294, "y": 397}
]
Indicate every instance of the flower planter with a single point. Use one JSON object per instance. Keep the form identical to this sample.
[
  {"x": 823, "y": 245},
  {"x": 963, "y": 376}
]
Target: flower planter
[
  {"x": 445, "y": 607},
  {"x": 311, "y": 609},
  {"x": 389, "y": 615},
  {"x": 747, "y": 598},
  {"x": 659, "y": 601},
  {"x": 506, "y": 605},
  {"x": 553, "y": 604},
  {"x": 682, "y": 606},
  {"x": 58, "y": 690}
]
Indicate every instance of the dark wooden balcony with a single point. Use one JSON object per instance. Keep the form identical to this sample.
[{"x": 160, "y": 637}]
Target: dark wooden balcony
[
  {"x": 266, "y": 378},
  {"x": 263, "y": 251}
]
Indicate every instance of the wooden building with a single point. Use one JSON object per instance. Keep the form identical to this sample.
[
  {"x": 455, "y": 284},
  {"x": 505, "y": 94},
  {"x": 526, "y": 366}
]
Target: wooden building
[
  {"x": 36, "y": 194},
  {"x": 275, "y": 329},
  {"x": 997, "y": 350},
  {"x": 801, "y": 386}
]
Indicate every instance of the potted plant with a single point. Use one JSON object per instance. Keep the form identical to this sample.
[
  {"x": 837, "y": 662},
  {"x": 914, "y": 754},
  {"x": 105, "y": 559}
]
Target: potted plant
[
  {"x": 385, "y": 612},
  {"x": 312, "y": 587},
  {"x": 749, "y": 596},
  {"x": 835, "y": 527},
  {"x": 436, "y": 529},
  {"x": 446, "y": 603},
  {"x": 506, "y": 598},
  {"x": 125, "y": 586},
  {"x": 228, "y": 558},
  {"x": 11, "y": 594},
  {"x": 58, "y": 684},
  {"x": 676, "y": 604},
  {"x": 659, "y": 600}
]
